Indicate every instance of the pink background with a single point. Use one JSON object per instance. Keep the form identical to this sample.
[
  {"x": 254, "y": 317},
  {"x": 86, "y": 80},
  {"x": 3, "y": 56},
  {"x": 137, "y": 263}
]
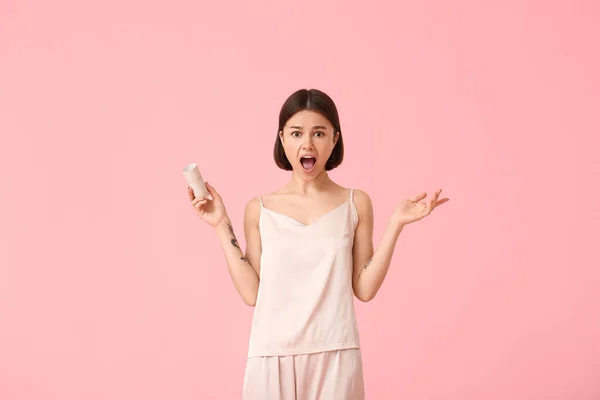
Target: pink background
[{"x": 111, "y": 287}]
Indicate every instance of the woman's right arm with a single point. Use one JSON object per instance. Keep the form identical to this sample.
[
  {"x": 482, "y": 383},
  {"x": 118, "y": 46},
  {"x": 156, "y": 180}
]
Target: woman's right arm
[{"x": 244, "y": 269}]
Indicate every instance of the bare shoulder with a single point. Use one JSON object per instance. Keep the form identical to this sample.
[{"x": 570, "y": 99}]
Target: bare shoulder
[
  {"x": 252, "y": 210},
  {"x": 364, "y": 205}
]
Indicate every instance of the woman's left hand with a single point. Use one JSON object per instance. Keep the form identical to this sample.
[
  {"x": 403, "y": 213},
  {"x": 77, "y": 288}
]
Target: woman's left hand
[{"x": 414, "y": 209}]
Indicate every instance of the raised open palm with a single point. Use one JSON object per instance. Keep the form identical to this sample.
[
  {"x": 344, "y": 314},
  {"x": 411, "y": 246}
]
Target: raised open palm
[{"x": 415, "y": 208}]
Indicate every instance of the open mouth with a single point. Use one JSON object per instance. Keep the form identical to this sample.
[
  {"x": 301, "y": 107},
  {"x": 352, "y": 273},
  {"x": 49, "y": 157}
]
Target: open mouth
[{"x": 308, "y": 163}]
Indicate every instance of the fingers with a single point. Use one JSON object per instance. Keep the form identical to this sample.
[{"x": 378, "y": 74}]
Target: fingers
[
  {"x": 435, "y": 198},
  {"x": 418, "y": 197},
  {"x": 442, "y": 201},
  {"x": 212, "y": 191},
  {"x": 435, "y": 202},
  {"x": 430, "y": 205},
  {"x": 201, "y": 200},
  {"x": 199, "y": 204},
  {"x": 425, "y": 207}
]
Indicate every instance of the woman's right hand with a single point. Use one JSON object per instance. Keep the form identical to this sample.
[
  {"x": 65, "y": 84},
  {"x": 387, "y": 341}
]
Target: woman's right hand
[{"x": 212, "y": 211}]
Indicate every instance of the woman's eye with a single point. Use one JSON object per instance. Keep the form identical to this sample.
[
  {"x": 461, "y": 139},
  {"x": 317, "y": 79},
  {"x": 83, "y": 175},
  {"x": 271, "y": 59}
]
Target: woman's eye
[
  {"x": 319, "y": 134},
  {"x": 295, "y": 134}
]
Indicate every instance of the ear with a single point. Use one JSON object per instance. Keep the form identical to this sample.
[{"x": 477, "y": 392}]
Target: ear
[
  {"x": 336, "y": 138},
  {"x": 281, "y": 137}
]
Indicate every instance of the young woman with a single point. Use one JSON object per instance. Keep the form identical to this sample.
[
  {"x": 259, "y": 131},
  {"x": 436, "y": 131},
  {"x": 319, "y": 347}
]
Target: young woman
[{"x": 309, "y": 251}]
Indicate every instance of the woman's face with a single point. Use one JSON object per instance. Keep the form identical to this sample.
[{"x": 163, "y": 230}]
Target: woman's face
[{"x": 308, "y": 140}]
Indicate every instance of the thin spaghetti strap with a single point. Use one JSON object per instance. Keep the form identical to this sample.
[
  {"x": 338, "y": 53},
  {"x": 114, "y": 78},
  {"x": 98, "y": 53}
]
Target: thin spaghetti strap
[
  {"x": 260, "y": 201},
  {"x": 353, "y": 207}
]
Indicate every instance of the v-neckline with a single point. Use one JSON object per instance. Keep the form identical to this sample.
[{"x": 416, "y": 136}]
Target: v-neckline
[{"x": 302, "y": 223}]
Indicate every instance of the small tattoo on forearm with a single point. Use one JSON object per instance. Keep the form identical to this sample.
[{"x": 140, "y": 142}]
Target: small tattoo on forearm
[
  {"x": 368, "y": 262},
  {"x": 234, "y": 241}
]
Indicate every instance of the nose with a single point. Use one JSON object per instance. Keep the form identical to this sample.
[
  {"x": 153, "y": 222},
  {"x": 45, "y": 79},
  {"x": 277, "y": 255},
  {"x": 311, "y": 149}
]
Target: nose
[{"x": 307, "y": 143}]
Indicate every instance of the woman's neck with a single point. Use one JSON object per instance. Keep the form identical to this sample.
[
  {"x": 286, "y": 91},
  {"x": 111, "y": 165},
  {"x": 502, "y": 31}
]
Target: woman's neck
[{"x": 301, "y": 185}]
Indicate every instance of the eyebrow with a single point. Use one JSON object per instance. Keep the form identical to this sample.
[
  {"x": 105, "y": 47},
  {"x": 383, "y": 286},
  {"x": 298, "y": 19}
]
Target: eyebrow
[{"x": 314, "y": 127}]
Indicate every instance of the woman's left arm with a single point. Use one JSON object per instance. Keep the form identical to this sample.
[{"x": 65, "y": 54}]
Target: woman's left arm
[{"x": 370, "y": 267}]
